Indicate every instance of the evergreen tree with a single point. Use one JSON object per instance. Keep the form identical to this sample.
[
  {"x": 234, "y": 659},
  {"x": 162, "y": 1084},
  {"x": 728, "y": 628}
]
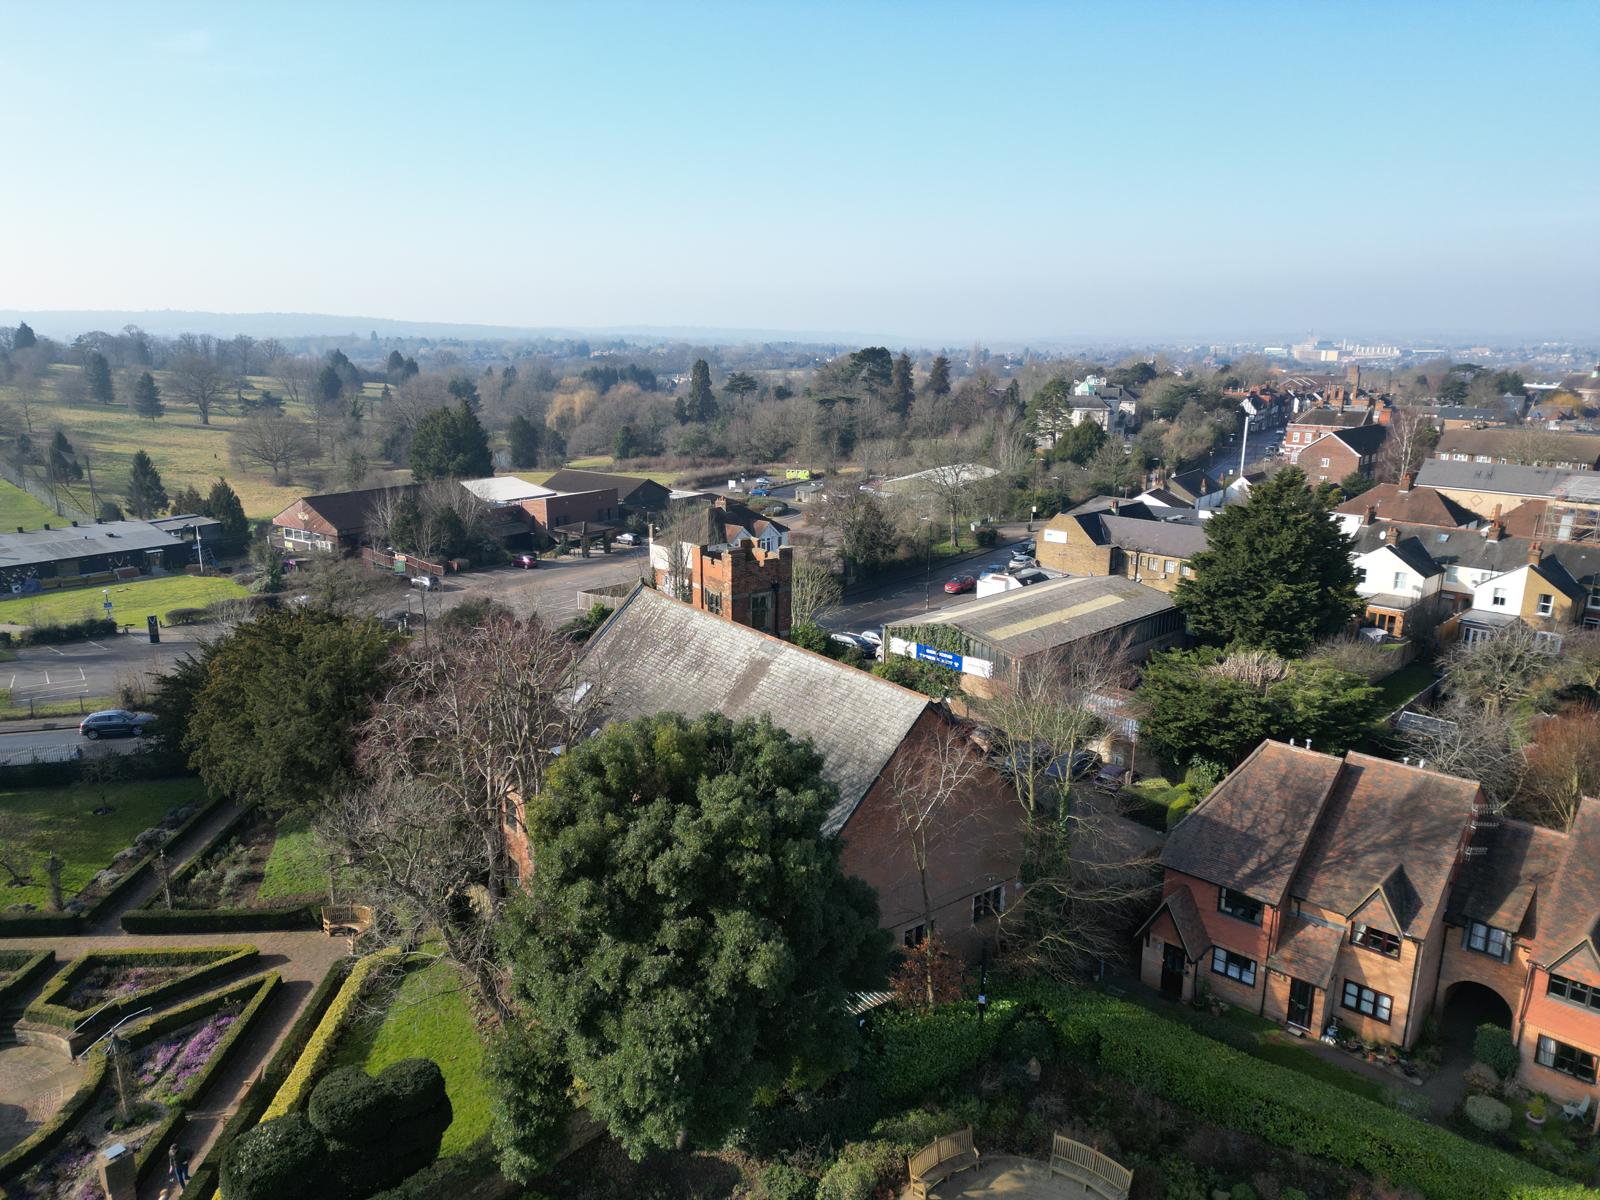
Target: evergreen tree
[
  {"x": 62, "y": 460},
  {"x": 23, "y": 339},
  {"x": 109, "y": 511},
  {"x": 463, "y": 389},
  {"x": 450, "y": 443},
  {"x": 147, "y": 398},
  {"x": 395, "y": 366},
  {"x": 187, "y": 502},
  {"x": 939, "y": 377},
  {"x": 1276, "y": 573},
  {"x": 329, "y": 386},
  {"x": 98, "y": 372},
  {"x": 145, "y": 496},
  {"x": 411, "y": 371},
  {"x": 700, "y": 404},
  {"x": 902, "y": 391},
  {"x": 525, "y": 441},
  {"x": 873, "y": 366},
  {"x": 223, "y": 505}
]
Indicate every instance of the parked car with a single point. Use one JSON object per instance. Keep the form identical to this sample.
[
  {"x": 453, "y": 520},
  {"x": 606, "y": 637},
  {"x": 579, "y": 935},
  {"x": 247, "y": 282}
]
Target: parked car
[
  {"x": 760, "y": 490},
  {"x": 626, "y": 539},
  {"x": 992, "y": 569},
  {"x": 871, "y": 636},
  {"x": 114, "y": 722},
  {"x": 1029, "y": 575},
  {"x": 763, "y": 481},
  {"x": 854, "y": 641},
  {"x": 1113, "y": 778},
  {"x": 960, "y": 583},
  {"x": 1021, "y": 554},
  {"x": 426, "y": 583},
  {"x": 526, "y": 561}
]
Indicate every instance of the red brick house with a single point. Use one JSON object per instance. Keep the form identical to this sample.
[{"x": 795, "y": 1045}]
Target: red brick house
[
  {"x": 334, "y": 522},
  {"x": 1314, "y": 424},
  {"x": 1341, "y": 452},
  {"x": 1318, "y": 890}
]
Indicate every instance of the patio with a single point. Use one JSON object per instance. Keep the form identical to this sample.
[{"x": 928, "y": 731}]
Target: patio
[{"x": 1006, "y": 1175}]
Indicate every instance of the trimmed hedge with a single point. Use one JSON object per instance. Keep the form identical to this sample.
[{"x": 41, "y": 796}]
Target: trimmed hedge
[
  {"x": 210, "y": 963},
  {"x": 324, "y": 1040},
  {"x": 23, "y": 973},
  {"x": 911, "y": 1054},
  {"x": 1285, "y": 1107},
  {"x": 48, "y": 1136}
]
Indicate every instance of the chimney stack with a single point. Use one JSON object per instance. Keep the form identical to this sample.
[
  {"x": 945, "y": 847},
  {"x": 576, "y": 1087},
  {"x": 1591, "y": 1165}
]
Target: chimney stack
[
  {"x": 1407, "y": 482},
  {"x": 1114, "y": 505},
  {"x": 1391, "y": 535},
  {"x": 1372, "y": 515},
  {"x": 1535, "y": 553}
]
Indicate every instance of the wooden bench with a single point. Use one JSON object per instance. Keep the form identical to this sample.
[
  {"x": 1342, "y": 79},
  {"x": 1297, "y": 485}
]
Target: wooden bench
[
  {"x": 1098, "y": 1175},
  {"x": 346, "y": 920},
  {"x": 935, "y": 1163}
]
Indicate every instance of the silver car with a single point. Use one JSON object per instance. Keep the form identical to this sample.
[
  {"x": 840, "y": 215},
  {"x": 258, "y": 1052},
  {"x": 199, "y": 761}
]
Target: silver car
[{"x": 114, "y": 722}]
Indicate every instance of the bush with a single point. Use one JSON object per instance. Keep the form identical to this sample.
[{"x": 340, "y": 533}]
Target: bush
[
  {"x": 349, "y": 1105},
  {"x": 184, "y": 616},
  {"x": 285, "y": 1157},
  {"x": 987, "y": 535},
  {"x": 1183, "y": 803},
  {"x": 1486, "y": 1113},
  {"x": 911, "y": 1054},
  {"x": 71, "y": 631},
  {"x": 1494, "y": 1046},
  {"x": 781, "y": 1182},
  {"x": 861, "y": 1169}
]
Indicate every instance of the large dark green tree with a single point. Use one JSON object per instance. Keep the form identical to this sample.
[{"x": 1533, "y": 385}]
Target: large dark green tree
[
  {"x": 873, "y": 368},
  {"x": 450, "y": 443},
  {"x": 525, "y": 439},
  {"x": 699, "y": 404},
  {"x": 902, "y": 389},
  {"x": 24, "y": 338},
  {"x": 1276, "y": 573},
  {"x": 145, "y": 495},
  {"x": 273, "y": 720},
  {"x": 98, "y": 373},
  {"x": 939, "y": 377},
  {"x": 147, "y": 398},
  {"x": 222, "y": 504},
  {"x": 689, "y": 937}
]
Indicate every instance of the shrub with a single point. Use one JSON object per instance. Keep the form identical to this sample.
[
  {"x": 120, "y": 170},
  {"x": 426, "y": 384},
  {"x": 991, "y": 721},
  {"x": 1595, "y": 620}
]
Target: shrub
[
  {"x": 285, "y": 1157},
  {"x": 1494, "y": 1046},
  {"x": 987, "y": 535},
  {"x": 1242, "y": 1191},
  {"x": 861, "y": 1169},
  {"x": 782, "y": 1182},
  {"x": 1487, "y": 1113},
  {"x": 184, "y": 616},
  {"x": 1180, "y": 806},
  {"x": 349, "y": 1105},
  {"x": 912, "y": 1054}
]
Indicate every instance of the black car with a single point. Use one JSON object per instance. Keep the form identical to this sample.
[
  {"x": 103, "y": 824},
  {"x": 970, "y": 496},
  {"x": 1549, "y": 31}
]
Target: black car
[{"x": 114, "y": 722}]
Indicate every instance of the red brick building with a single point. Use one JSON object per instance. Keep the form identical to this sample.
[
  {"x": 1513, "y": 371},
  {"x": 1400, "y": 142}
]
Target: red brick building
[
  {"x": 1341, "y": 452},
  {"x": 741, "y": 583}
]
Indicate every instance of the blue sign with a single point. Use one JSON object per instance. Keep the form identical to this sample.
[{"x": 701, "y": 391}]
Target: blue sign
[{"x": 942, "y": 657}]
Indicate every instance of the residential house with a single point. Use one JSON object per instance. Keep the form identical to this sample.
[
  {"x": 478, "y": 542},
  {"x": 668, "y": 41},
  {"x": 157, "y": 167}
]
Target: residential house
[
  {"x": 1400, "y": 585},
  {"x": 1126, "y": 540},
  {"x": 1342, "y": 452},
  {"x": 1196, "y": 489},
  {"x": 1540, "y": 594},
  {"x": 634, "y": 495},
  {"x": 1108, "y": 405},
  {"x": 1520, "y": 447},
  {"x": 654, "y": 655},
  {"x": 1402, "y": 503},
  {"x": 1482, "y": 488},
  {"x": 1458, "y": 416},
  {"x": 1314, "y": 424}
]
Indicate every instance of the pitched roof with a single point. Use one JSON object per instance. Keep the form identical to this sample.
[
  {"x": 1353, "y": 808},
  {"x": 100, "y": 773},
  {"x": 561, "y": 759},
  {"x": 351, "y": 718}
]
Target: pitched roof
[
  {"x": 1419, "y": 506},
  {"x": 1177, "y": 539},
  {"x": 1250, "y": 832},
  {"x": 1363, "y": 440},
  {"x": 1391, "y": 828},
  {"x": 39, "y": 546},
  {"x": 1332, "y": 418},
  {"x": 1415, "y": 556},
  {"x": 1514, "y": 861},
  {"x": 655, "y": 655},
  {"x": 1307, "y": 950},
  {"x": 349, "y": 512},
  {"x": 1569, "y": 908},
  {"x": 1533, "y": 446},
  {"x": 1492, "y": 477},
  {"x": 1194, "y": 483},
  {"x": 505, "y": 489},
  {"x": 730, "y": 514},
  {"x": 1186, "y": 917},
  {"x": 1523, "y": 520},
  {"x": 630, "y": 488},
  {"x": 1125, "y": 508}
]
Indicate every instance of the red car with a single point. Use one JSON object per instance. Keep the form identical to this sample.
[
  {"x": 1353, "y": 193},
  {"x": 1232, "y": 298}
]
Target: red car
[
  {"x": 960, "y": 583},
  {"x": 526, "y": 560}
]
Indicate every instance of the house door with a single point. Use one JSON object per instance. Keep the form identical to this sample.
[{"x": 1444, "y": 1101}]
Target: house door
[
  {"x": 1302, "y": 1002},
  {"x": 1172, "y": 964}
]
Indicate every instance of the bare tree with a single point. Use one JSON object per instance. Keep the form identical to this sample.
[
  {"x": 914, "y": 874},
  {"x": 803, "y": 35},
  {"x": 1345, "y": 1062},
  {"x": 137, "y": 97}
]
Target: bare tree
[
  {"x": 1411, "y": 434},
  {"x": 1494, "y": 674},
  {"x": 201, "y": 382},
  {"x": 272, "y": 440},
  {"x": 242, "y": 351},
  {"x": 1471, "y": 742},
  {"x": 470, "y": 729},
  {"x": 1563, "y": 766},
  {"x": 814, "y": 592},
  {"x": 950, "y": 488},
  {"x": 671, "y": 547},
  {"x": 294, "y": 375},
  {"x": 935, "y": 794},
  {"x": 27, "y": 383}
]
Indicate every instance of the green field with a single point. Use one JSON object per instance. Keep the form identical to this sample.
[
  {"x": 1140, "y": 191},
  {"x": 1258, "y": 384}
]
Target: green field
[
  {"x": 132, "y": 601},
  {"x": 61, "y": 820},
  {"x": 297, "y": 865},
  {"x": 17, "y": 507},
  {"x": 428, "y": 1017}
]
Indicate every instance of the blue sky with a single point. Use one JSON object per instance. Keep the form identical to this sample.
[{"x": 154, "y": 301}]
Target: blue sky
[{"x": 916, "y": 170}]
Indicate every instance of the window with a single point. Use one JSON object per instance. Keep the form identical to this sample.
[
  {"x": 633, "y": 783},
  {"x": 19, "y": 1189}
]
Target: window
[
  {"x": 1380, "y": 940},
  {"x": 1547, "y": 643},
  {"x": 1569, "y": 1060},
  {"x": 1486, "y": 939},
  {"x": 1483, "y": 458},
  {"x": 914, "y": 936},
  {"x": 1547, "y": 604},
  {"x": 760, "y": 611},
  {"x": 1573, "y": 992},
  {"x": 1234, "y": 966},
  {"x": 1169, "y": 566},
  {"x": 988, "y": 904},
  {"x": 1399, "y": 581},
  {"x": 1237, "y": 904},
  {"x": 1326, "y": 463},
  {"x": 1366, "y": 1001},
  {"x": 1452, "y": 575},
  {"x": 1498, "y": 598},
  {"x": 713, "y": 602}
]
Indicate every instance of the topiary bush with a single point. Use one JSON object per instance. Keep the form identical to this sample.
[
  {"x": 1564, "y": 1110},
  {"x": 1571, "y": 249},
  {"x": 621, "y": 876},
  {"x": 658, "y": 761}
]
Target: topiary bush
[
  {"x": 286, "y": 1157},
  {"x": 1487, "y": 1113},
  {"x": 348, "y": 1105},
  {"x": 1494, "y": 1046}
]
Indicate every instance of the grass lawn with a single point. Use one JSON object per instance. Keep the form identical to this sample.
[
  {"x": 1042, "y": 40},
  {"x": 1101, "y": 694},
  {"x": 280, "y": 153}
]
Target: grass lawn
[
  {"x": 61, "y": 820},
  {"x": 23, "y": 710},
  {"x": 297, "y": 865},
  {"x": 17, "y": 507},
  {"x": 1404, "y": 684},
  {"x": 428, "y": 1017},
  {"x": 131, "y": 601}
]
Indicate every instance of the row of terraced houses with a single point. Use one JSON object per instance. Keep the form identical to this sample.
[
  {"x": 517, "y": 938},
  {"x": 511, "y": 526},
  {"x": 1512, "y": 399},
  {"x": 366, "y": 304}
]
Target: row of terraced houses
[{"x": 1358, "y": 895}]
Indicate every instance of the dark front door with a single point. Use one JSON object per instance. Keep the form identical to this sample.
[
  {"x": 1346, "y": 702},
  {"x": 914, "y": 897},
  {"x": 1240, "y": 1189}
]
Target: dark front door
[
  {"x": 1302, "y": 999},
  {"x": 1172, "y": 963}
]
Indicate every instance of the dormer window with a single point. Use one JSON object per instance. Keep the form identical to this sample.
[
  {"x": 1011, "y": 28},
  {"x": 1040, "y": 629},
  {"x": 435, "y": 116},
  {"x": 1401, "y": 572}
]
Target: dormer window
[
  {"x": 1238, "y": 906},
  {"x": 1380, "y": 940}
]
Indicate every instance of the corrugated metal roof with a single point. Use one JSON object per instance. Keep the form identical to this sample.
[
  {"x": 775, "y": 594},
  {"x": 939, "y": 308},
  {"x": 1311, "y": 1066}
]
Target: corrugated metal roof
[
  {"x": 39, "y": 546},
  {"x": 656, "y": 655}
]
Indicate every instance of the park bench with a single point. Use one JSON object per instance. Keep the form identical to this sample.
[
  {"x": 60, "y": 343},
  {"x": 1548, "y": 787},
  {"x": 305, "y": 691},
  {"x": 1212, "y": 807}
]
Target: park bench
[
  {"x": 1098, "y": 1175},
  {"x": 936, "y": 1162},
  {"x": 346, "y": 920}
]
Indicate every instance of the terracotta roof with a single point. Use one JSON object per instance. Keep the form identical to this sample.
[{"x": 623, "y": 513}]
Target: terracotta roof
[
  {"x": 1569, "y": 909},
  {"x": 1387, "y": 827},
  {"x": 1251, "y": 831},
  {"x": 1498, "y": 886},
  {"x": 1419, "y": 506},
  {"x": 1186, "y": 916},
  {"x": 1307, "y": 950}
]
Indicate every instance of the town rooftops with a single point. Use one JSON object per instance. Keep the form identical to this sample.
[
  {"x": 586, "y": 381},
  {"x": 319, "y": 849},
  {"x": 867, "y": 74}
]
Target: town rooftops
[
  {"x": 1418, "y": 506},
  {"x": 1569, "y": 909},
  {"x": 1036, "y": 619},
  {"x": 655, "y": 655},
  {"x": 505, "y": 489},
  {"x": 1174, "y": 538},
  {"x": 1415, "y": 556},
  {"x": 1533, "y": 446},
  {"x": 39, "y": 546},
  {"x": 1460, "y": 412},
  {"x": 1333, "y": 418},
  {"x": 631, "y": 490},
  {"x": 1491, "y": 477},
  {"x": 1512, "y": 861},
  {"x": 1363, "y": 440}
]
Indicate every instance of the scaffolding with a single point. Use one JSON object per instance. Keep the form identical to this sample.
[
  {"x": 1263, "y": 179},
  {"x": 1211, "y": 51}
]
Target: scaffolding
[{"x": 1572, "y": 514}]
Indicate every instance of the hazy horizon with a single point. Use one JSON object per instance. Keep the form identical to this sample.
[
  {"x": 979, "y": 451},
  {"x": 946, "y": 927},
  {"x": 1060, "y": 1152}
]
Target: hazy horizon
[{"x": 937, "y": 175}]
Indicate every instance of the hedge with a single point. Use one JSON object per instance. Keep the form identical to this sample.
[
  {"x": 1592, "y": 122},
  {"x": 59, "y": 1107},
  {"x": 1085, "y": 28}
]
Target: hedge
[
  {"x": 910, "y": 1054},
  {"x": 1287, "y": 1108},
  {"x": 211, "y": 962},
  {"x": 324, "y": 1040},
  {"x": 24, "y": 973},
  {"x": 48, "y": 1136},
  {"x": 203, "y": 1181}
]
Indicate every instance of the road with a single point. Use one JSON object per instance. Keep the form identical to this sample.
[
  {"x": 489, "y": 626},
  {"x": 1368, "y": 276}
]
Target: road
[
  {"x": 549, "y": 589},
  {"x": 58, "y": 745},
  {"x": 1225, "y": 458},
  {"x": 51, "y": 674}
]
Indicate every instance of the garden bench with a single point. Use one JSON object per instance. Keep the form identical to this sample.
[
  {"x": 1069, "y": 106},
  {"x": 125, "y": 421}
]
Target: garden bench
[
  {"x": 939, "y": 1160},
  {"x": 346, "y": 920},
  {"x": 1100, "y": 1176}
]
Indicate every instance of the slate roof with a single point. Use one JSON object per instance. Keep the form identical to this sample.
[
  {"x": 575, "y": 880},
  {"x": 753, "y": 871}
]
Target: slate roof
[
  {"x": 1125, "y": 508},
  {"x": 730, "y": 514},
  {"x": 1250, "y": 832},
  {"x": 37, "y": 547},
  {"x": 348, "y": 512},
  {"x": 1498, "y": 886},
  {"x": 1419, "y": 506},
  {"x": 1363, "y": 440},
  {"x": 1511, "y": 444},
  {"x": 1307, "y": 950},
  {"x": 1569, "y": 909},
  {"x": 1390, "y": 827},
  {"x": 1332, "y": 418},
  {"x": 1492, "y": 477},
  {"x": 655, "y": 655},
  {"x": 1194, "y": 484},
  {"x": 1175, "y": 539},
  {"x": 631, "y": 490},
  {"x": 1415, "y": 556}
]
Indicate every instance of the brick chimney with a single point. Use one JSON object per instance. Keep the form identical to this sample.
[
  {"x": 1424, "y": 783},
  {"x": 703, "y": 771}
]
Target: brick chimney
[
  {"x": 1372, "y": 515},
  {"x": 1391, "y": 535},
  {"x": 1497, "y": 527},
  {"x": 1115, "y": 503},
  {"x": 1535, "y": 553},
  {"x": 1407, "y": 482}
]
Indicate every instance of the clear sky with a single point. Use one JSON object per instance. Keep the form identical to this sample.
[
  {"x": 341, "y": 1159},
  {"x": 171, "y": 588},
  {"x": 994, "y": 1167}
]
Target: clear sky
[{"x": 930, "y": 171}]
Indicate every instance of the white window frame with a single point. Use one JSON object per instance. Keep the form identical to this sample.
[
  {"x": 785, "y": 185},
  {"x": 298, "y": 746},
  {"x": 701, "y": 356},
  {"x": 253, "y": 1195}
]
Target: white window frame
[
  {"x": 1242, "y": 971},
  {"x": 1547, "y": 604},
  {"x": 1369, "y": 1002}
]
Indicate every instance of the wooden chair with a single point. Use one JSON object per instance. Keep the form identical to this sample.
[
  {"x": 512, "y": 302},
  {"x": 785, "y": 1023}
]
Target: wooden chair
[{"x": 939, "y": 1160}]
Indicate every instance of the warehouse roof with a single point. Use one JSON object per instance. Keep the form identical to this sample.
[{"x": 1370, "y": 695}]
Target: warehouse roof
[
  {"x": 39, "y": 546},
  {"x": 1492, "y": 477},
  {"x": 505, "y": 489}
]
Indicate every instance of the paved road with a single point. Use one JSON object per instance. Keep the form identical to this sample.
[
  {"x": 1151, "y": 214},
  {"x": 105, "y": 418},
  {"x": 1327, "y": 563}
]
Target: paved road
[
  {"x": 550, "y": 589},
  {"x": 50, "y": 674},
  {"x": 58, "y": 745}
]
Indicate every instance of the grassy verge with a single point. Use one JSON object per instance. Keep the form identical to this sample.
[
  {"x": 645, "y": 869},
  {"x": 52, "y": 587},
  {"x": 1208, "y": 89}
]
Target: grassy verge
[
  {"x": 297, "y": 866},
  {"x": 428, "y": 1017},
  {"x": 17, "y": 507},
  {"x": 131, "y": 601},
  {"x": 10, "y": 711},
  {"x": 62, "y": 820}
]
